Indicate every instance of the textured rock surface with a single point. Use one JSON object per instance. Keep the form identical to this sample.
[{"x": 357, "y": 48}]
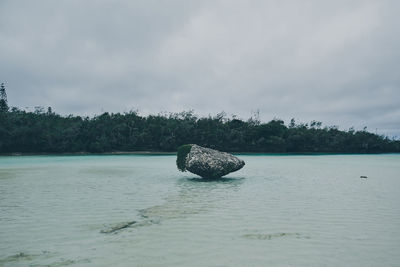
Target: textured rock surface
[{"x": 210, "y": 163}]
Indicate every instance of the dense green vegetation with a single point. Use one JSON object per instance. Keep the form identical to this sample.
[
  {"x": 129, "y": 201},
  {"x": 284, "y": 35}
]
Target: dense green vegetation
[
  {"x": 40, "y": 131},
  {"x": 3, "y": 99},
  {"x": 46, "y": 132}
]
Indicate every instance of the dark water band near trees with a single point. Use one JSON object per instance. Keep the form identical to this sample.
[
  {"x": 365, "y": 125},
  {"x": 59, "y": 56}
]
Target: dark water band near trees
[{"x": 47, "y": 132}]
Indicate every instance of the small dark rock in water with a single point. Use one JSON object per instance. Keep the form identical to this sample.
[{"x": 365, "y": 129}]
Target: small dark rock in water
[
  {"x": 117, "y": 227},
  {"x": 363, "y": 176},
  {"x": 207, "y": 162}
]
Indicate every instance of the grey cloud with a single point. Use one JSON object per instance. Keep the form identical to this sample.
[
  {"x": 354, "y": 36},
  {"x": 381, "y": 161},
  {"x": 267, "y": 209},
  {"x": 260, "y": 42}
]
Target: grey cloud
[{"x": 337, "y": 61}]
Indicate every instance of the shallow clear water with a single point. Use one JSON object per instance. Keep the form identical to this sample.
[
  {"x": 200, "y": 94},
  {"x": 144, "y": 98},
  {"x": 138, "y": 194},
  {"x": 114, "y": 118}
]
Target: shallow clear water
[{"x": 276, "y": 211}]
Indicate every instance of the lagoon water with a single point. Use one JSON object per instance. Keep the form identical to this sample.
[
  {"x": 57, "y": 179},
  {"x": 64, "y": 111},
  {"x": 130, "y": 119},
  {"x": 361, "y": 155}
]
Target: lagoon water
[{"x": 289, "y": 210}]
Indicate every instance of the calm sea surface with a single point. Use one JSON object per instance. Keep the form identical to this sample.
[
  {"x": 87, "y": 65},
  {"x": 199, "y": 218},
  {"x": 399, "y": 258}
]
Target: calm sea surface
[{"x": 276, "y": 211}]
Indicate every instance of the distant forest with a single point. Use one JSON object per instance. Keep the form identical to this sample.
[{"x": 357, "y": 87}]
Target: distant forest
[{"x": 44, "y": 131}]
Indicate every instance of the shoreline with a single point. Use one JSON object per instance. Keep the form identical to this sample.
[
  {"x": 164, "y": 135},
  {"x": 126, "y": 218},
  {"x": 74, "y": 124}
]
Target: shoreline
[
  {"x": 87, "y": 153},
  {"x": 161, "y": 153}
]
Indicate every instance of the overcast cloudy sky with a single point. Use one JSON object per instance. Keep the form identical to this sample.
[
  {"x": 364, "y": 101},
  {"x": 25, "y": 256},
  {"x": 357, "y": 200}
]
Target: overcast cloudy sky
[{"x": 333, "y": 61}]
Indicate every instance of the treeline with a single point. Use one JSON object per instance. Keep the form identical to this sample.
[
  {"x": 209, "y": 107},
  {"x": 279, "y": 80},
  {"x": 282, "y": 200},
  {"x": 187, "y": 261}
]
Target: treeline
[{"x": 46, "y": 132}]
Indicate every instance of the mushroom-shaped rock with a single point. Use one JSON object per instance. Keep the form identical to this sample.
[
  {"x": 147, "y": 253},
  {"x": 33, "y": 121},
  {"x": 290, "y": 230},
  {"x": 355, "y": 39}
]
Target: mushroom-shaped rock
[{"x": 207, "y": 162}]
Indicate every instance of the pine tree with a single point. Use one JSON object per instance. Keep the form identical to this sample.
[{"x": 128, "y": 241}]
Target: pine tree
[{"x": 3, "y": 98}]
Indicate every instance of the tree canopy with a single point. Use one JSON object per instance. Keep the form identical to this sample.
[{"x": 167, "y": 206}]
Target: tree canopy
[
  {"x": 3, "y": 98},
  {"x": 48, "y": 132}
]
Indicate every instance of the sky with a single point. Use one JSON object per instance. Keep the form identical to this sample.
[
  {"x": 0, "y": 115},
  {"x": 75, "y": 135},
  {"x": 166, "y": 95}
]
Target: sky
[{"x": 337, "y": 62}]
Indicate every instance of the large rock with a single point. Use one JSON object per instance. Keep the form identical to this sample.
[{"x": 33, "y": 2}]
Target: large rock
[{"x": 206, "y": 162}]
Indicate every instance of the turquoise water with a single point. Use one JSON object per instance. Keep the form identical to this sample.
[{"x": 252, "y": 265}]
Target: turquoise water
[{"x": 276, "y": 211}]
